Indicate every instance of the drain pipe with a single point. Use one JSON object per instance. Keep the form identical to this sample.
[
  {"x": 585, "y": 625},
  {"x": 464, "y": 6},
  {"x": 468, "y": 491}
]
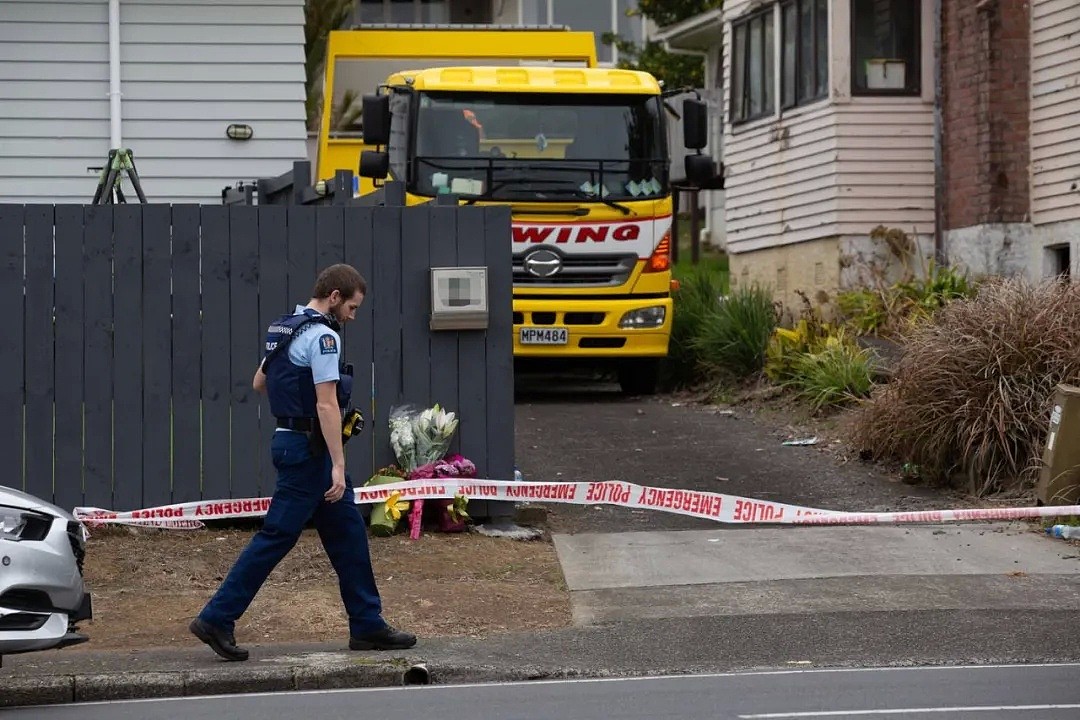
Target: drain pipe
[
  {"x": 115, "y": 137},
  {"x": 417, "y": 675},
  {"x": 940, "y": 252}
]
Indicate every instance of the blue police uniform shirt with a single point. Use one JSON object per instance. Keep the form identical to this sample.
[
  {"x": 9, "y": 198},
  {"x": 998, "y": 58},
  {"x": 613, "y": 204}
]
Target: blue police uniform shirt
[{"x": 319, "y": 348}]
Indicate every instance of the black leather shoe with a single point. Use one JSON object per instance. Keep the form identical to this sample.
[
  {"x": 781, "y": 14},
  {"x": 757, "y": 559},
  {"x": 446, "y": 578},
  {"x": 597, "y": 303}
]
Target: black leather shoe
[
  {"x": 386, "y": 639},
  {"x": 221, "y": 642}
]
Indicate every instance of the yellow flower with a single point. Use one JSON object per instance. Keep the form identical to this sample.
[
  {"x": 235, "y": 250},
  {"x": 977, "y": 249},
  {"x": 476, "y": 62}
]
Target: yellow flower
[
  {"x": 457, "y": 508},
  {"x": 789, "y": 335},
  {"x": 395, "y": 506}
]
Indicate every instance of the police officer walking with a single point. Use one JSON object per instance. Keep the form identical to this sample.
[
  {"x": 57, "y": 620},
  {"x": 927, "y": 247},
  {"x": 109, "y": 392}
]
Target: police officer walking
[{"x": 308, "y": 387}]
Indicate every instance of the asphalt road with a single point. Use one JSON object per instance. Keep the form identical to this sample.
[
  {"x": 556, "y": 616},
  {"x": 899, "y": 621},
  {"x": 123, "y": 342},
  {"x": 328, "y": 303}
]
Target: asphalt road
[
  {"x": 1034, "y": 692},
  {"x": 568, "y": 430}
]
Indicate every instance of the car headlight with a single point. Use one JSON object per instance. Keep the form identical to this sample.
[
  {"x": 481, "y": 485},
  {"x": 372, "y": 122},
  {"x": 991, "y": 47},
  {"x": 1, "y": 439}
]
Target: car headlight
[
  {"x": 12, "y": 523},
  {"x": 649, "y": 317},
  {"x": 16, "y": 524}
]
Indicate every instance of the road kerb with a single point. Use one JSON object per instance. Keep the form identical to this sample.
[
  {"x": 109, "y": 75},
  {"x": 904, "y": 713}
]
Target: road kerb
[{"x": 229, "y": 679}]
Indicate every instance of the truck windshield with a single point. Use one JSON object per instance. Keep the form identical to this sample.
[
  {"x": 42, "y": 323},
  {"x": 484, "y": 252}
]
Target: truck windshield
[{"x": 539, "y": 147}]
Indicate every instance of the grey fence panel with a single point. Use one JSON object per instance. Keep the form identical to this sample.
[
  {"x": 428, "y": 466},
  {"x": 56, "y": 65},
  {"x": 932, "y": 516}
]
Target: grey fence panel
[
  {"x": 472, "y": 353},
  {"x": 274, "y": 300},
  {"x": 329, "y": 237},
  {"x": 415, "y": 305},
  {"x": 386, "y": 291},
  {"x": 301, "y": 253},
  {"x": 39, "y": 350},
  {"x": 128, "y": 357},
  {"x": 68, "y": 470},
  {"x": 472, "y": 396},
  {"x": 359, "y": 342},
  {"x": 157, "y": 355},
  {"x": 216, "y": 373},
  {"x": 98, "y": 355},
  {"x": 187, "y": 460},
  {"x": 133, "y": 362},
  {"x": 499, "y": 360},
  {"x": 330, "y": 250},
  {"x": 443, "y": 243},
  {"x": 12, "y": 359},
  {"x": 246, "y": 338}
]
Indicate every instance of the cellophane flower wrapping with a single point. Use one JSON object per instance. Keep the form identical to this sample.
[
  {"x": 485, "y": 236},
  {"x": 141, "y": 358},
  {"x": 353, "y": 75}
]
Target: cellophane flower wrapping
[
  {"x": 420, "y": 439},
  {"x": 380, "y": 522}
]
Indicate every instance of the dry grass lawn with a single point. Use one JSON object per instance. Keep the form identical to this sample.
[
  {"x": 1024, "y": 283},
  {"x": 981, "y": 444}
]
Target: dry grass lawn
[{"x": 147, "y": 584}]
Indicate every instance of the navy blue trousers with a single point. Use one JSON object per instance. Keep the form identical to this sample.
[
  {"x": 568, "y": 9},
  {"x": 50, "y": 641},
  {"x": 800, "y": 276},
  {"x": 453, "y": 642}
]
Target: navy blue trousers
[{"x": 298, "y": 498}]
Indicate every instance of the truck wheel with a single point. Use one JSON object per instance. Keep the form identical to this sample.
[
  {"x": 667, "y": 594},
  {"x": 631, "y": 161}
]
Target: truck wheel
[{"x": 639, "y": 376}]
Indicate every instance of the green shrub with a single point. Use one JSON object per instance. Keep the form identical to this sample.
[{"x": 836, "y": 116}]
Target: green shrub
[
  {"x": 698, "y": 296},
  {"x": 734, "y": 335},
  {"x": 818, "y": 360},
  {"x": 835, "y": 375},
  {"x": 864, "y": 309},
  {"x": 970, "y": 395},
  {"x": 787, "y": 345},
  {"x": 921, "y": 297},
  {"x": 890, "y": 307}
]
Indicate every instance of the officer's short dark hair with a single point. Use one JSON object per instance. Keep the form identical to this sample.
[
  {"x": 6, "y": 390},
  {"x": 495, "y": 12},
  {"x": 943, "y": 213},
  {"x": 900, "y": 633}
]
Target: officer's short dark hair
[{"x": 341, "y": 277}]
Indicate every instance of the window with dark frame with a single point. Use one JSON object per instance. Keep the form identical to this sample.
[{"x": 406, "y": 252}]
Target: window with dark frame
[
  {"x": 752, "y": 67},
  {"x": 885, "y": 47},
  {"x": 804, "y": 55}
]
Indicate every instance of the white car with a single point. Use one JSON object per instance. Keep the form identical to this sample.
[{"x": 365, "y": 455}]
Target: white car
[{"x": 42, "y": 594}]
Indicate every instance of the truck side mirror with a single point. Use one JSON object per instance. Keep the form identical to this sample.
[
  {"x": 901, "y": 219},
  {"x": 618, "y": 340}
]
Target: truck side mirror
[
  {"x": 700, "y": 169},
  {"x": 374, "y": 164},
  {"x": 695, "y": 124},
  {"x": 376, "y": 119}
]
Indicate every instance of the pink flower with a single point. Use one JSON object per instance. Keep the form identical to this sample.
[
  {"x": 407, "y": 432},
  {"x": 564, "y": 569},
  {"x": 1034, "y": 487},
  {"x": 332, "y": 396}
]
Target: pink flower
[
  {"x": 465, "y": 467},
  {"x": 424, "y": 472}
]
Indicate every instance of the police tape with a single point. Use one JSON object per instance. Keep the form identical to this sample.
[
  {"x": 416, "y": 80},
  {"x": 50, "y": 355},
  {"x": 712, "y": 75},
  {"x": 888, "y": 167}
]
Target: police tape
[{"x": 723, "y": 508}]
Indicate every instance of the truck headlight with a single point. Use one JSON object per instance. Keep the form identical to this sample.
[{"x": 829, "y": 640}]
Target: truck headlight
[{"x": 649, "y": 317}]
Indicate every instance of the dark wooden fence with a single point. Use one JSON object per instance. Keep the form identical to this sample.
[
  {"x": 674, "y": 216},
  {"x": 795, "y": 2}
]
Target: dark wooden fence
[{"x": 133, "y": 332}]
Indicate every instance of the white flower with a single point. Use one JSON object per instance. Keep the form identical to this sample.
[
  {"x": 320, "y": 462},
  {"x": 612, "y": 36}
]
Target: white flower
[{"x": 419, "y": 437}]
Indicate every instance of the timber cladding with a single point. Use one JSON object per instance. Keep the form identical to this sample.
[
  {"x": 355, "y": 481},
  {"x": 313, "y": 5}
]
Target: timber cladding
[{"x": 134, "y": 331}]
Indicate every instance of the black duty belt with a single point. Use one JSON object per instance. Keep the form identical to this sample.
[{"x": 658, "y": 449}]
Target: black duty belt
[{"x": 303, "y": 424}]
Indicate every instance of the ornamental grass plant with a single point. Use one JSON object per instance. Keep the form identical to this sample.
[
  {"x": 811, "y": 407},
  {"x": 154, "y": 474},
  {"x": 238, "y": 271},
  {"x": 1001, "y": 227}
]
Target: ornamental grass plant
[{"x": 971, "y": 393}]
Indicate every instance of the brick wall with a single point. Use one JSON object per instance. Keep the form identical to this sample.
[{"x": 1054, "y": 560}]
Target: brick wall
[{"x": 985, "y": 76}]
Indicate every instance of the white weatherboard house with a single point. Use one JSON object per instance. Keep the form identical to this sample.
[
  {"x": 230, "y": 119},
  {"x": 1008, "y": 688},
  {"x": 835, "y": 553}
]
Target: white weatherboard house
[
  {"x": 812, "y": 159},
  {"x": 165, "y": 78},
  {"x": 957, "y": 121}
]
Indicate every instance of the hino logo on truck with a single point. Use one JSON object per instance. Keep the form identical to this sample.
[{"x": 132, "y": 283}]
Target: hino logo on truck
[
  {"x": 575, "y": 233},
  {"x": 542, "y": 263}
]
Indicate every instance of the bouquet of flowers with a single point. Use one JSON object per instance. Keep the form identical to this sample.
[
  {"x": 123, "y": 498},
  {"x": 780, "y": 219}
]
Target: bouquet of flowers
[
  {"x": 420, "y": 441},
  {"x": 420, "y": 438},
  {"x": 453, "y": 515}
]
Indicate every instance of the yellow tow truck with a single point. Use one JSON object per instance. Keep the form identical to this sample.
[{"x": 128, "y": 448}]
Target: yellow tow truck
[{"x": 580, "y": 155}]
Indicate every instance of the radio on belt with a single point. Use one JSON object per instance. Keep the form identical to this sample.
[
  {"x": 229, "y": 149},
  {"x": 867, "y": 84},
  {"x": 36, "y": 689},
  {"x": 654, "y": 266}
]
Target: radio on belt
[{"x": 459, "y": 298}]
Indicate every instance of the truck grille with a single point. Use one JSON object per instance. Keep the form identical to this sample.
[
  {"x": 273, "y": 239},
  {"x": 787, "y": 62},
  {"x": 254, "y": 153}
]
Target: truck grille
[{"x": 579, "y": 270}]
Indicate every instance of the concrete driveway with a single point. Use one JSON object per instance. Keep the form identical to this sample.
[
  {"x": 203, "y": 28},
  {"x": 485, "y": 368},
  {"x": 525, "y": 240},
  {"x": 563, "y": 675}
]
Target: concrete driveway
[{"x": 640, "y": 566}]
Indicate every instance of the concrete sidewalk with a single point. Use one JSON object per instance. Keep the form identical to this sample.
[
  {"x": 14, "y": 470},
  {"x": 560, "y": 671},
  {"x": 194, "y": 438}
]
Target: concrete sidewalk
[{"x": 816, "y": 569}]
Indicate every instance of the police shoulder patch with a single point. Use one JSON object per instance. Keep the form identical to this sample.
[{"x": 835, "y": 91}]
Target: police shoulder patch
[{"x": 328, "y": 345}]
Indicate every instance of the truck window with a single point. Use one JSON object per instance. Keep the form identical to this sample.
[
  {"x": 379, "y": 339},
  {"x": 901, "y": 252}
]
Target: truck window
[
  {"x": 399, "y": 124},
  {"x": 539, "y": 146}
]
